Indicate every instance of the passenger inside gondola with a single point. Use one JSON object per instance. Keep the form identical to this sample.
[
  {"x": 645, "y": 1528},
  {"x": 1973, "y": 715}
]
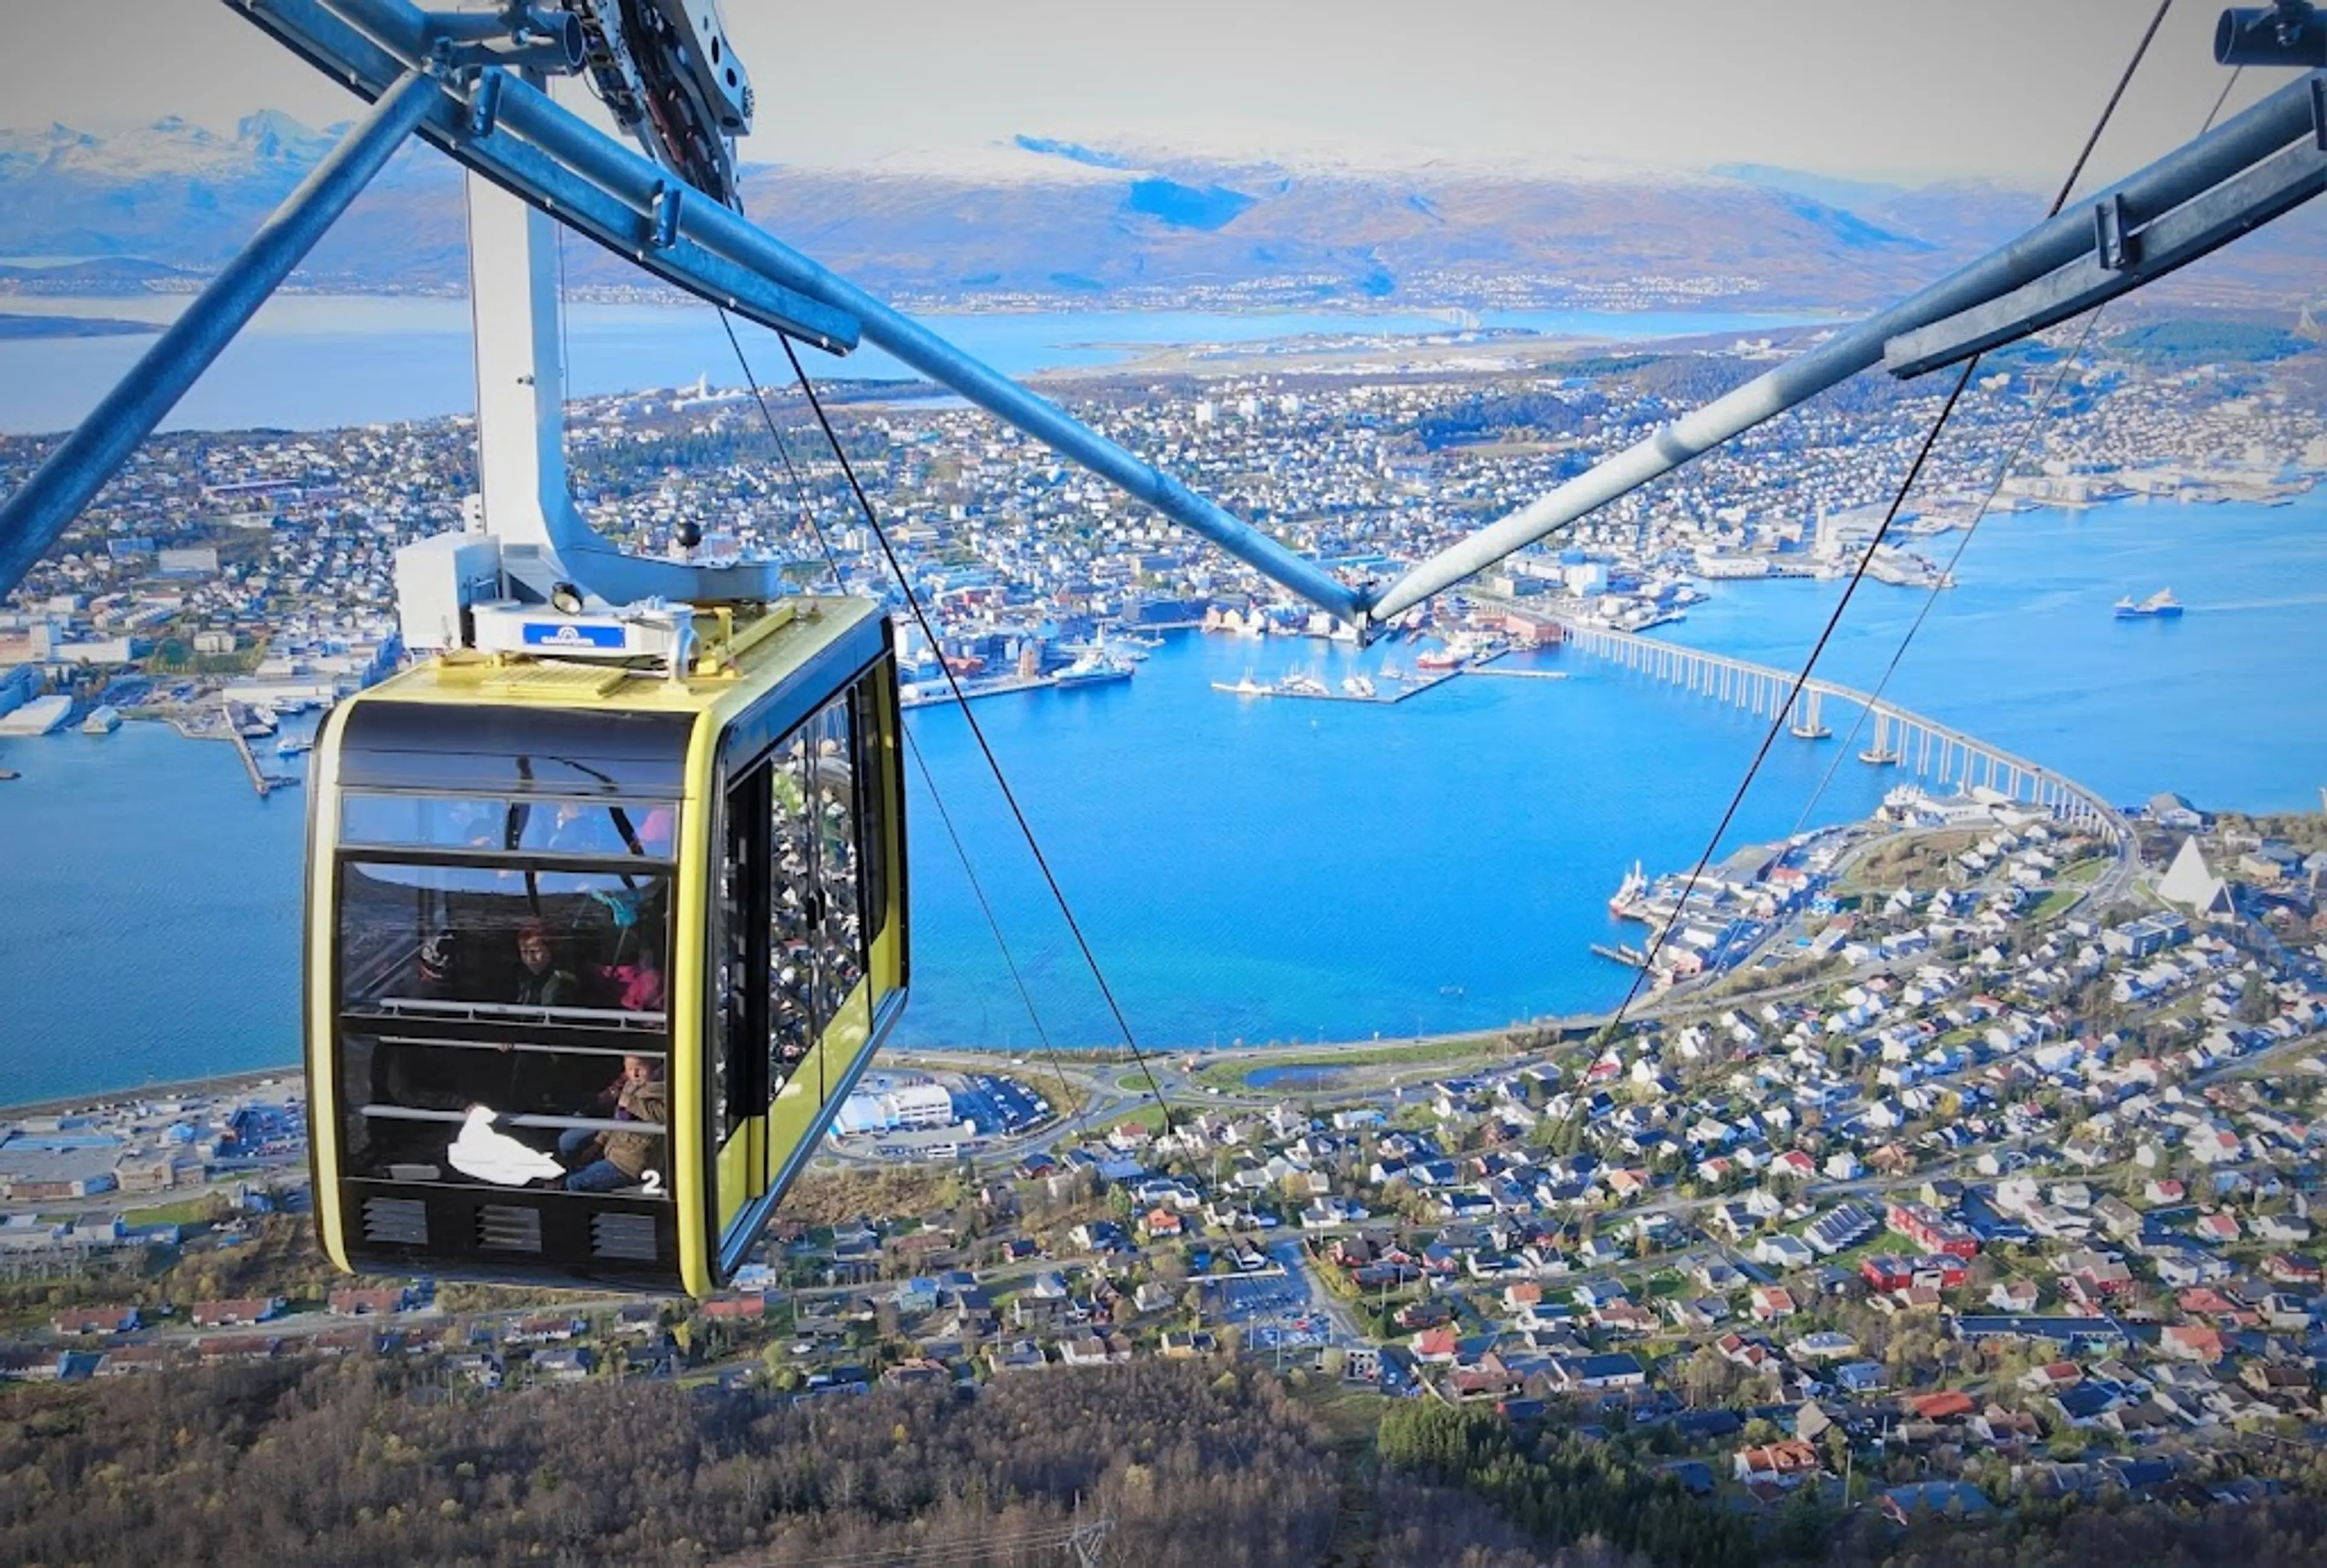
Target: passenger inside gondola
[
  {"x": 541, "y": 980},
  {"x": 498, "y": 985},
  {"x": 635, "y": 986},
  {"x": 625, "y": 1155}
]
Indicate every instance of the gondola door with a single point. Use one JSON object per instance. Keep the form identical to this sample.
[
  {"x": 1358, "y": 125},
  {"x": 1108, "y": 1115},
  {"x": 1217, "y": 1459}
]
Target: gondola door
[
  {"x": 792, "y": 1007},
  {"x": 819, "y": 1014},
  {"x": 738, "y": 1087}
]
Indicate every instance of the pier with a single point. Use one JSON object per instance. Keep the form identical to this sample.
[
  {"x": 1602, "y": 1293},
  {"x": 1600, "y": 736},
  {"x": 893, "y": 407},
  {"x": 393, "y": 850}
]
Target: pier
[
  {"x": 261, "y": 780},
  {"x": 1486, "y": 667},
  {"x": 243, "y": 748},
  {"x": 1924, "y": 748},
  {"x": 258, "y": 780},
  {"x": 1407, "y": 686}
]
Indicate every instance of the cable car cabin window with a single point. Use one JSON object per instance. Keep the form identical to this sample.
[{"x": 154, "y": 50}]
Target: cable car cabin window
[
  {"x": 816, "y": 906},
  {"x": 738, "y": 1025},
  {"x": 536, "y": 994},
  {"x": 599, "y": 828},
  {"x": 867, "y": 702}
]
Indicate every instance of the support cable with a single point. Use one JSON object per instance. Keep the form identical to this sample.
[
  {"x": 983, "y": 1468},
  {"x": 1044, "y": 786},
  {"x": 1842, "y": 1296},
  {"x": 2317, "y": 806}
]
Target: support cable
[
  {"x": 1067, "y": 1096},
  {"x": 2036, "y": 424},
  {"x": 1001, "y": 780},
  {"x": 961, "y": 851},
  {"x": 783, "y": 452},
  {"x": 1784, "y": 711}
]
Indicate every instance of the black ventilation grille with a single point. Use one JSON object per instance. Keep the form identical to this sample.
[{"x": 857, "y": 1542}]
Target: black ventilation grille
[
  {"x": 626, "y": 1236},
  {"x": 502, "y": 1228},
  {"x": 396, "y": 1222}
]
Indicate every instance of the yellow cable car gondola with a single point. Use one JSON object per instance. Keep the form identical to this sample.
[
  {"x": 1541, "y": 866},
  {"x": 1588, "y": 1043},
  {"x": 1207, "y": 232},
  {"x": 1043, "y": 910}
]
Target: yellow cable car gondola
[{"x": 595, "y": 952}]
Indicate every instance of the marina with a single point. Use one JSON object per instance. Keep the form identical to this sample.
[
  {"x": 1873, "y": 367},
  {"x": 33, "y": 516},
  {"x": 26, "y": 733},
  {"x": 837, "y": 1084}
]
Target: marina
[{"x": 1356, "y": 688}]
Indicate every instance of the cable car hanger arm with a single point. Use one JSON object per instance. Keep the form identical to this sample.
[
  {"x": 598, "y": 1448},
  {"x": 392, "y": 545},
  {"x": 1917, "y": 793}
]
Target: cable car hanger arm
[
  {"x": 2253, "y": 168},
  {"x": 365, "y": 43},
  {"x": 2250, "y": 170}
]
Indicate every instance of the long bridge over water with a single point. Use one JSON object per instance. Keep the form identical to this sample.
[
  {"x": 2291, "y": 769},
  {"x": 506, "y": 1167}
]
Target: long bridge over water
[{"x": 1934, "y": 752}]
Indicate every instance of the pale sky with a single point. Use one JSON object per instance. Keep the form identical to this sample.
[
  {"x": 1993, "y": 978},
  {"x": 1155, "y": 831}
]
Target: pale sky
[{"x": 1999, "y": 89}]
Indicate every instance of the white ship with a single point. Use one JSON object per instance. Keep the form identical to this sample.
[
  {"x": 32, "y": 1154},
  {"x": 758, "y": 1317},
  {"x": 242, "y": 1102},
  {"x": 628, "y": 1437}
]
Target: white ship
[{"x": 1627, "y": 896}]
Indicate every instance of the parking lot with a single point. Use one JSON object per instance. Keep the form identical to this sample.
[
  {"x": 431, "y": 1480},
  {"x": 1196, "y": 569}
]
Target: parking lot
[
  {"x": 1274, "y": 1309},
  {"x": 999, "y": 1107}
]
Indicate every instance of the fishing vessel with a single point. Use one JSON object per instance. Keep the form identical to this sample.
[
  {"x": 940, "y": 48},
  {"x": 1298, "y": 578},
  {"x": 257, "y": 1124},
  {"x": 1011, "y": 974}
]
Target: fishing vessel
[{"x": 2161, "y": 604}]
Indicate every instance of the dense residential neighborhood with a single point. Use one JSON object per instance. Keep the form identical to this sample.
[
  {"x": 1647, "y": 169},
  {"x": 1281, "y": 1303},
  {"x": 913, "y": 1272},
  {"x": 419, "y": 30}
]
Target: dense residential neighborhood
[
  {"x": 267, "y": 559},
  {"x": 2011, "y": 1189}
]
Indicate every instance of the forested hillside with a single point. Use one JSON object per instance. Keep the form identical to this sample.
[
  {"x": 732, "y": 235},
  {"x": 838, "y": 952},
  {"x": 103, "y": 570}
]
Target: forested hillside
[{"x": 368, "y": 1462}]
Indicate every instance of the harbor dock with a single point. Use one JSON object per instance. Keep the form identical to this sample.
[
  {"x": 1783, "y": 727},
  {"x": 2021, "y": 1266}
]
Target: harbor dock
[{"x": 261, "y": 781}]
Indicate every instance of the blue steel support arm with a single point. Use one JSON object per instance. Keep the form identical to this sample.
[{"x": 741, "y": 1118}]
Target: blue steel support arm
[
  {"x": 581, "y": 161},
  {"x": 2263, "y": 161},
  {"x": 32, "y": 519}
]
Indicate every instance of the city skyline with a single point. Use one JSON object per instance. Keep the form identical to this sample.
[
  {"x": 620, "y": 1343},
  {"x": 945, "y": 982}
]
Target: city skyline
[{"x": 1297, "y": 86}]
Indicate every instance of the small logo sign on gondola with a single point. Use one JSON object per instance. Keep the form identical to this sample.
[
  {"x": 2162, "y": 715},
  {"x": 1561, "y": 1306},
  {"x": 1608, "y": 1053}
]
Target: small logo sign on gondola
[{"x": 571, "y": 634}]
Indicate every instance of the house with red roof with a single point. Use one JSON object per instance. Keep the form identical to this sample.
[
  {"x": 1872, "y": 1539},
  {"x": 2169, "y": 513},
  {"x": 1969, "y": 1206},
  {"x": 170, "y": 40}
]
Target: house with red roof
[
  {"x": 2206, "y": 1302},
  {"x": 225, "y": 1314},
  {"x": 1435, "y": 1346},
  {"x": 1786, "y": 1463},
  {"x": 1948, "y": 1405},
  {"x": 96, "y": 1319},
  {"x": 2191, "y": 1342}
]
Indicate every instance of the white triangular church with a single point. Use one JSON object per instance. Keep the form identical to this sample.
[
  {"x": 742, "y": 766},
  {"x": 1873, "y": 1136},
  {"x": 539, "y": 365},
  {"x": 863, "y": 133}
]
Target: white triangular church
[{"x": 2191, "y": 881}]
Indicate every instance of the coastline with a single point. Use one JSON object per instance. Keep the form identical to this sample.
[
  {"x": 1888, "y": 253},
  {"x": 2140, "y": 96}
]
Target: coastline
[
  {"x": 212, "y": 1084},
  {"x": 945, "y": 1057}
]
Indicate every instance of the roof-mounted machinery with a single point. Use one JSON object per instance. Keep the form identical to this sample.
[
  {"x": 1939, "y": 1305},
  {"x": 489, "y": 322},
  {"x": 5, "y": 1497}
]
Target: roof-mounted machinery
[{"x": 666, "y": 71}]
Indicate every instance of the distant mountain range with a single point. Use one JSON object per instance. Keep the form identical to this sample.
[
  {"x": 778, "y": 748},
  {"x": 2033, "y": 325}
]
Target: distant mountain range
[{"x": 1042, "y": 218}]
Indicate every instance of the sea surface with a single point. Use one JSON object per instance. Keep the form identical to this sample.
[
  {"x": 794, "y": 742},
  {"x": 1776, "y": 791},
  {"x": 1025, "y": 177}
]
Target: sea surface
[
  {"x": 1258, "y": 869},
  {"x": 319, "y": 361}
]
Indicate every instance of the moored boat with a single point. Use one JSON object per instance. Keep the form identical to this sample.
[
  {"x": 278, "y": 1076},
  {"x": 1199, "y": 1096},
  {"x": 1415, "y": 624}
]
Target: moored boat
[{"x": 1627, "y": 896}]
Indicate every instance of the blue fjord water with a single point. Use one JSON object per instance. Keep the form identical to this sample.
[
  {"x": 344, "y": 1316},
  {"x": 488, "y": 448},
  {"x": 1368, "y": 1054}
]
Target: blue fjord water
[
  {"x": 316, "y": 362},
  {"x": 1271, "y": 869}
]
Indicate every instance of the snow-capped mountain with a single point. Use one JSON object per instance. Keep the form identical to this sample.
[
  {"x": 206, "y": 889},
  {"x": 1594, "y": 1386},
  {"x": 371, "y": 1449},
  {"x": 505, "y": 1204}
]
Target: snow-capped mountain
[{"x": 1137, "y": 221}]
